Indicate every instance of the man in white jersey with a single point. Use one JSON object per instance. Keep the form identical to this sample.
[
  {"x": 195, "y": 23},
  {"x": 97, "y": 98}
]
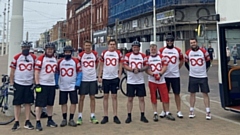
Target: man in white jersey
[
  {"x": 111, "y": 70},
  {"x": 172, "y": 75},
  {"x": 45, "y": 71},
  {"x": 135, "y": 63},
  {"x": 157, "y": 67},
  {"x": 89, "y": 86},
  {"x": 197, "y": 61},
  {"x": 21, "y": 81},
  {"x": 70, "y": 75}
]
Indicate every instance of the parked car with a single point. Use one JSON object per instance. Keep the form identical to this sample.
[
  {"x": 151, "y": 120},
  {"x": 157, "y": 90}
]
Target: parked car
[
  {"x": 59, "y": 53},
  {"x": 40, "y": 50}
]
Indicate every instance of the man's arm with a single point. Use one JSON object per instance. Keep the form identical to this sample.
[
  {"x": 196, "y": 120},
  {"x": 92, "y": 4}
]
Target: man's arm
[
  {"x": 120, "y": 70},
  {"x": 100, "y": 69},
  {"x": 37, "y": 76},
  {"x": 181, "y": 63},
  {"x": 12, "y": 76},
  {"x": 187, "y": 65}
]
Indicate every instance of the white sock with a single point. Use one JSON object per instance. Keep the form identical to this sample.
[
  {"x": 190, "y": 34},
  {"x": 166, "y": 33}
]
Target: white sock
[
  {"x": 167, "y": 113},
  {"x": 155, "y": 113},
  {"x": 79, "y": 115},
  {"x": 92, "y": 114},
  {"x": 191, "y": 109},
  {"x": 207, "y": 109}
]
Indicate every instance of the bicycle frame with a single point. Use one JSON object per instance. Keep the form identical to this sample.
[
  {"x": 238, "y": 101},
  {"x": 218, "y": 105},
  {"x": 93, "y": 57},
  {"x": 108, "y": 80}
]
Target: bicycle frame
[{"x": 4, "y": 92}]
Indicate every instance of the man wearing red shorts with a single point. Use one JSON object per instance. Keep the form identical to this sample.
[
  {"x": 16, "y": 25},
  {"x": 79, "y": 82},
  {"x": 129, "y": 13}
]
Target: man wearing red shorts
[{"x": 158, "y": 66}]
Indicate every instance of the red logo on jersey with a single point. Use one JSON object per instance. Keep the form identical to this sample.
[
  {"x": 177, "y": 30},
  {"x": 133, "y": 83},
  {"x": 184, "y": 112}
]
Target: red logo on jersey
[
  {"x": 50, "y": 68},
  {"x": 68, "y": 72},
  {"x": 112, "y": 62},
  {"x": 88, "y": 64},
  {"x": 172, "y": 59},
  {"x": 23, "y": 67},
  {"x": 157, "y": 67},
  {"x": 195, "y": 62},
  {"x": 136, "y": 65}
]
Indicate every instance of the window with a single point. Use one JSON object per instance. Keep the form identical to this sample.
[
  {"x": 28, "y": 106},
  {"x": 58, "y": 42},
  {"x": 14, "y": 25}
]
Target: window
[{"x": 100, "y": 13}]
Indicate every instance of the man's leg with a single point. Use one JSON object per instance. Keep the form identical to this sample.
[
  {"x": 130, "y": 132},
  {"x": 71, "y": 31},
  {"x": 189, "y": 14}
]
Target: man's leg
[
  {"x": 50, "y": 103},
  {"x": 192, "y": 103},
  {"x": 205, "y": 90},
  {"x": 80, "y": 105},
  {"x": 153, "y": 90},
  {"x": 141, "y": 93},
  {"x": 74, "y": 101},
  {"x": 92, "y": 107},
  {"x": 105, "y": 104},
  {"x": 63, "y": 98}
]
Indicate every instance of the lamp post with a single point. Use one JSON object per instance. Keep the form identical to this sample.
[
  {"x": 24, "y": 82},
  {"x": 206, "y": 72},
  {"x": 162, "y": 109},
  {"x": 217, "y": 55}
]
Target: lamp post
[
  {"x": 154, "y": 21},
  {"x": 16, "y": 30}
]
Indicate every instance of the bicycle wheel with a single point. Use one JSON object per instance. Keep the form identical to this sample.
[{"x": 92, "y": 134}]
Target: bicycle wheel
[
  {"x": 6, "y": 112},
  {"x": 123, "y": 85},
  {"x": 100, "y": 92}
]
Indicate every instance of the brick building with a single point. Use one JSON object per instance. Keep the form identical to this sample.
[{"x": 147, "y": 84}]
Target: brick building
[
  {"x": 79, "y": 13},
  {"x": 58, "y": 34},
  {"x": 100, "y": 20}
]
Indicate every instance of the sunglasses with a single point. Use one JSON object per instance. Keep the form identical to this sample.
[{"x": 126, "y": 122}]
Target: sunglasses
[
  {"x": 170, "y": 40},
  {"x": 26, "y": 59}
]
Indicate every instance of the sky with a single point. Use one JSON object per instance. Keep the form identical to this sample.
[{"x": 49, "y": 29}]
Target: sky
[{"x": 39, "y": 16}]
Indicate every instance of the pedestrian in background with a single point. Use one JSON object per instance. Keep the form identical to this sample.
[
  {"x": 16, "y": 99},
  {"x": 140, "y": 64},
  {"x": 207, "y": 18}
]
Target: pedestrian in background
[{"x": 234, "y": 55}]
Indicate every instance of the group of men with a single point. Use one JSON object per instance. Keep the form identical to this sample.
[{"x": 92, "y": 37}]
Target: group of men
[{"x": 73, "y": 76}]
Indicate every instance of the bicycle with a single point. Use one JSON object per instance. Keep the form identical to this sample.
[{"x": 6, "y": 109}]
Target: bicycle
[{"x": 6, "y": 106}]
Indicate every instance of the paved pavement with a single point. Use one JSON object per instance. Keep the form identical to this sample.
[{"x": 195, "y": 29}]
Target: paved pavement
[{"x": 222, "y": 123}]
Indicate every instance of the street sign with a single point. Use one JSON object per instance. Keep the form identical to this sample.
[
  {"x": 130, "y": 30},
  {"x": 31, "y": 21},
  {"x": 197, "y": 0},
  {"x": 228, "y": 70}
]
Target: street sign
[{"x": 165, "y": 15}]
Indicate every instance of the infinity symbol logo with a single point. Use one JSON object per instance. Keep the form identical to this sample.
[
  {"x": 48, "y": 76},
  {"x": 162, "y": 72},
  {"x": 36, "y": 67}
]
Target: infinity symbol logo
[
  {"x": 157, "y": 67},
  {"x": 172, "y": 59},
  {"x": 198, "y": 62},
  {"x": 112, "y": 62},
  {"x": 51, "y": 68},
  {"x": 136, "y": 65},
  {"x": 23, "y": 67},
  {"x": 88, "y": 64},
  {"x": 68, "y": 72}
]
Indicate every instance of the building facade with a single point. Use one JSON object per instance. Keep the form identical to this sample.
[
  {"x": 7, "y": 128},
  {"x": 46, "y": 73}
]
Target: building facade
[
  {"x": 87, "y": 20},
  {"x": 58, "y": 34},
  {"x": 176, "y": 17},
  {"x": 100, "y": 21},
  {"x": 71, "y": 19}
]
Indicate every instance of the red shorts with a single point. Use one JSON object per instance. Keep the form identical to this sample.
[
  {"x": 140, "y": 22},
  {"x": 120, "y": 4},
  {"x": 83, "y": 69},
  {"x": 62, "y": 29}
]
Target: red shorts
[{"x": 162, "y": 89}]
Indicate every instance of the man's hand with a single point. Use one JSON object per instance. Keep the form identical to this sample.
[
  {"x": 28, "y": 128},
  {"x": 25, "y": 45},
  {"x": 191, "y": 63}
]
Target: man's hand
[
  {"x": 99, "y": 79},
  {"x": 77, "y": 87},
  {"x": 135, "y": 70},
  {"x": 11, "y": 87},
  {"x": 38, "y": 88},
  {"x": 157, "y": 77}
]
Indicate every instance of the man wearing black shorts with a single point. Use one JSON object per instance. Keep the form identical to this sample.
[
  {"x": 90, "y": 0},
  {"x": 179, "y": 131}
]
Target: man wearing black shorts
[
  {"x": 172, "y": 75},
  {"x": 45, "y": 70},
  {"x": 21, "y": 81},
  {"x": 111, "y": 68},
  {"x": 135, "y": 63},
  {"x": 89, "y": 86},
  {"x": 70, "y": 75},
  {"x": 197, "y": 61}
]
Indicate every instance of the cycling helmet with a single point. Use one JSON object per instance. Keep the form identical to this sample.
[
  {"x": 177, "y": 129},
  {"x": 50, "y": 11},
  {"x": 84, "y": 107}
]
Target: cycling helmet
[
  {"x": 169, "y": 37},
  {"x": 50, "y": 45},
  {"x": 68, "y": 48},
  {"x": 26, "y": 44},
  {"x": 136, "y": 43}
]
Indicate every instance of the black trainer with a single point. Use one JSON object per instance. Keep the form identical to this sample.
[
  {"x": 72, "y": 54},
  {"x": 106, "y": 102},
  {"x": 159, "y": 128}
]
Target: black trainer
[
  {"x": 39, "y": 126},
  {"x": 155, "y": 117},
  {"x": 116, "y": 120},
  {"x": 128, "y": 120},
  {"x": 16, "y": 126},
  {"x": 104, "y": 120},
  {"x": 51, "y": 123},
  {"x": 144, "y": 119},
  {"x": 170, "y": 117},
  {"x": 28, "y": 125}
]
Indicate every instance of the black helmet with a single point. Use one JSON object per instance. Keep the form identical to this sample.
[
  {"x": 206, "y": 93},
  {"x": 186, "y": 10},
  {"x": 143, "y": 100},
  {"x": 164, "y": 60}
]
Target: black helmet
[
  {"x": 50, "y": 45},
  {"x": 26, "y": 44},
  {"x": 169, "y": 37},
  {"x": 68, "y": 48},
  {"x": 136, "y": 43}
]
